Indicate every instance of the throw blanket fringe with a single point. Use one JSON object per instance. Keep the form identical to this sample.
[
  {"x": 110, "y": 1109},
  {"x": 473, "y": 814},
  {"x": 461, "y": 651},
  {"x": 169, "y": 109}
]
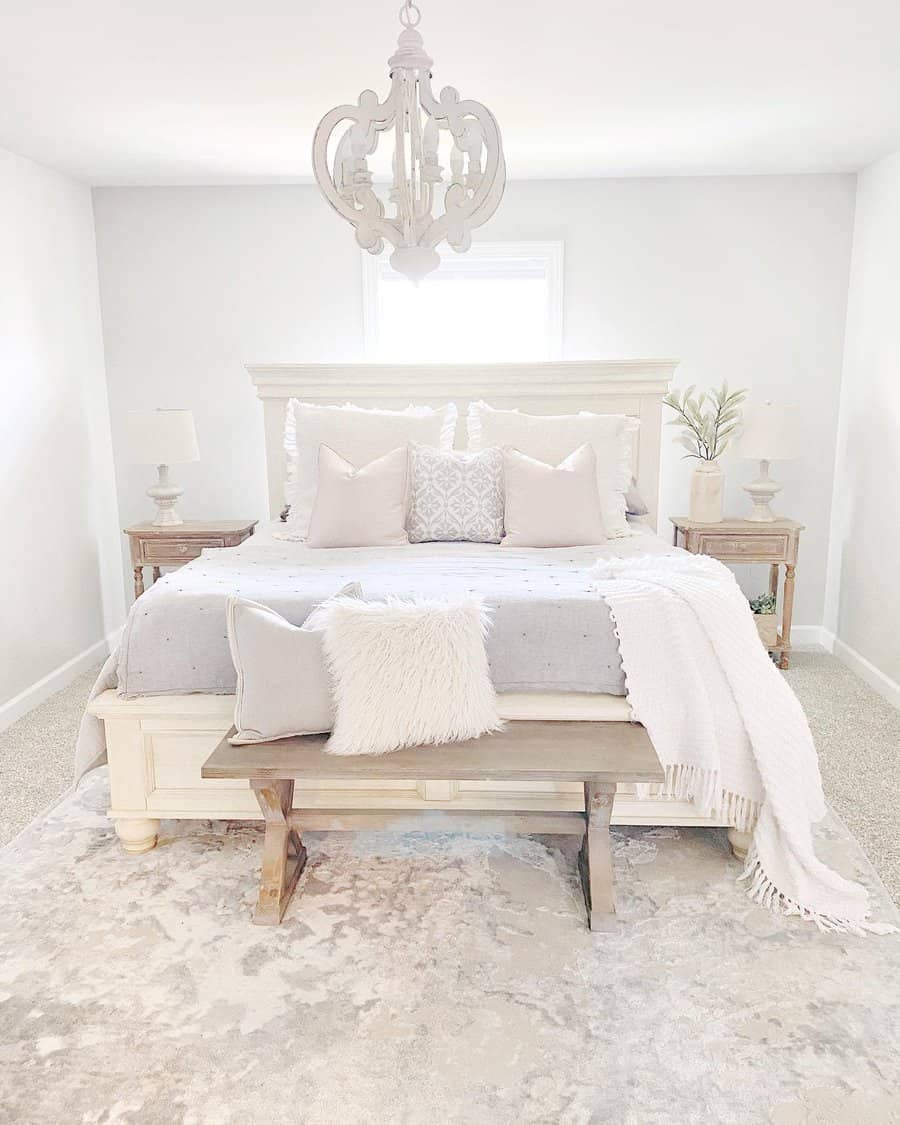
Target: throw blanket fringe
[
  {"x": 705, "y": 789},
  {"x": 727, "y": 728},
  {"x": 763, "y": 891}
]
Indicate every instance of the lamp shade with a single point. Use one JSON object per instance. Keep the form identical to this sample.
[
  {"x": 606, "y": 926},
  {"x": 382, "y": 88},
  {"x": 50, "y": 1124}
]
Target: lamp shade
[
  {"x": 161, "y": 437},
  {"x": 768, "y": 432}
]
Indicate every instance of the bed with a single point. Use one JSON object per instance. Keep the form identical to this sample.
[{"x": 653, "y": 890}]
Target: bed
[{"x": 172, "y": 707}]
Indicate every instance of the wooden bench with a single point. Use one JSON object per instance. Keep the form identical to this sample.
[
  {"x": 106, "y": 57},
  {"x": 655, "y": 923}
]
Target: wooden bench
[{"x": 599, "y": 755}]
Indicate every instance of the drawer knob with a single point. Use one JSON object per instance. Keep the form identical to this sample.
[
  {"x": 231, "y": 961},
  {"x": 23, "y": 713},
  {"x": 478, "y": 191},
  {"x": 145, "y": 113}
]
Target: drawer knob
[{"x": 182, "y": 550}]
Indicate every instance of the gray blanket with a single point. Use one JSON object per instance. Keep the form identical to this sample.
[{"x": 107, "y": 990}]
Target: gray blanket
[{"x": 549, "y": 633}]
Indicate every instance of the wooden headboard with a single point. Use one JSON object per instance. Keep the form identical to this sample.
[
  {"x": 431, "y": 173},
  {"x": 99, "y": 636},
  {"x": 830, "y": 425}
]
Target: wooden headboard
[{"x": 632, "y": 386}]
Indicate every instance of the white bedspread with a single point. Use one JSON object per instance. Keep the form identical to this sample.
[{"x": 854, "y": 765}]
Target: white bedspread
[{"x": 549, "y": 634}]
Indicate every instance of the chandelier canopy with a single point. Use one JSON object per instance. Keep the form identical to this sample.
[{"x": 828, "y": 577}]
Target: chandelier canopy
[{"x": 425, "y": 206}]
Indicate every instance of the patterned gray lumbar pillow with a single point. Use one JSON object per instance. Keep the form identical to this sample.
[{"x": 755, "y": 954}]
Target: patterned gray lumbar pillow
[{"x": 455, "y": 497}]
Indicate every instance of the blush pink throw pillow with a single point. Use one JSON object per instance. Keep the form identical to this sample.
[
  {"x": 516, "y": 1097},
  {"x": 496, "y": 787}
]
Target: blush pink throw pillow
[
  {"x": 360, "y": 507},
  {"x": 552, "y": 506}
]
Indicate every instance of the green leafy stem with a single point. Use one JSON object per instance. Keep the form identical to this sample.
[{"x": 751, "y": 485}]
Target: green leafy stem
[{"x": 709, "y": 420}]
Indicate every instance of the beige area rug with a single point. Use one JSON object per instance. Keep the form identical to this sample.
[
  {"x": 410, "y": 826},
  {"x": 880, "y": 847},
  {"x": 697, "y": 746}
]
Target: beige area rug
[{"x": 427, "y": 978}]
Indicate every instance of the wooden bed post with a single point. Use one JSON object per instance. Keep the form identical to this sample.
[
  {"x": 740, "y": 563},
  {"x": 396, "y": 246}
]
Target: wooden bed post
[
  {"x": 128, "y": 784},
  {"x": 137, "y": 836},
  {"x": 740, "y": 843}
]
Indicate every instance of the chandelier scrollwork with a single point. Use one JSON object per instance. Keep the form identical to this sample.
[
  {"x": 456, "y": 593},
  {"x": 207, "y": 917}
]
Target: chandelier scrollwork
[{"x": 422, "y": 206}]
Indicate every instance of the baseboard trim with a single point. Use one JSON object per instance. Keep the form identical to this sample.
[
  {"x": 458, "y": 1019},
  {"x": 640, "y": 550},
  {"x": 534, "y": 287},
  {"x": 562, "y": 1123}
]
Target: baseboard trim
[
  {"x": 886, "y": 687},
  {"x": 805, "y": 636},
  {"x": 828, "y": 639},
  {"x": 14, "y": 709}
]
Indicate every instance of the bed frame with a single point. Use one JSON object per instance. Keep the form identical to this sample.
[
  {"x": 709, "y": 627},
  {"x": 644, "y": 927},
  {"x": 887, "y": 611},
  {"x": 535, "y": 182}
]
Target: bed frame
[{"x": 157, "y": 744}]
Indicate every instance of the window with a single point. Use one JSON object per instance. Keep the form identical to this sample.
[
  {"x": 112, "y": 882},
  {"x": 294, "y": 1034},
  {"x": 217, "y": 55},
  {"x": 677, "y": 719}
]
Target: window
[{"x": 498, "y": 301}]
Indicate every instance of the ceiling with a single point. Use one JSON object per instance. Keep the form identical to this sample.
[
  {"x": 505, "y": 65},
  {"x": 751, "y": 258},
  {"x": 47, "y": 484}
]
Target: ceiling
[{"x": 199, "y": 92}]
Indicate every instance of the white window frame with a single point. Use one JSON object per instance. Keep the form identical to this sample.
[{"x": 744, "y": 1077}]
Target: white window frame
[{"x": 552, "y": 251}]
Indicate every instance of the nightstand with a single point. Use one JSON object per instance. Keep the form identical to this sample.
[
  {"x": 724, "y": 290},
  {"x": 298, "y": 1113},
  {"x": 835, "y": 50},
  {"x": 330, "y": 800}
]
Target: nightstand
[
  {"x": 176, "y": 544},
  {"x": 743, "y": 541}
]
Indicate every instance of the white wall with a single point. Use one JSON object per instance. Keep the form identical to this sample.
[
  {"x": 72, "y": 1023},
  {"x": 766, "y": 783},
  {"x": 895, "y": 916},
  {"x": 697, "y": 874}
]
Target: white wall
[
  {"x": 60, "y": 587},
  {"x": 863, "y": 604},
  {"x": 744, "y": 278}
]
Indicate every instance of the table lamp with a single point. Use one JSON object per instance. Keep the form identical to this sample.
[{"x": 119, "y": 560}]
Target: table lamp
[
  {"x": 767, "y": 435},
  {"x": 162, "y": 438}
]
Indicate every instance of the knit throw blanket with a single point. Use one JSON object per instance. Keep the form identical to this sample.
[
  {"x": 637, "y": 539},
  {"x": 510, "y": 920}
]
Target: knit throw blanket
[{"x": 729, "y": 731}]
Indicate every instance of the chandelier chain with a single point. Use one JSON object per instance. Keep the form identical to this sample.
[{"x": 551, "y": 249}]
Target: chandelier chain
[{"x": 410, "y": 14}]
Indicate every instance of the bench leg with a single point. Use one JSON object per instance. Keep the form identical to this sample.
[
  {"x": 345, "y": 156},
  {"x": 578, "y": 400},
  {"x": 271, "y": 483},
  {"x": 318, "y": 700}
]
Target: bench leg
[
  {"x": 595, "y": 859},
  {"x": 284, "y": 855}
]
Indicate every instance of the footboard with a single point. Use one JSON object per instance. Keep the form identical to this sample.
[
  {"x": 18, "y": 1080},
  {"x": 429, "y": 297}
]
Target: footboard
[{"x": 158, "y": 744}]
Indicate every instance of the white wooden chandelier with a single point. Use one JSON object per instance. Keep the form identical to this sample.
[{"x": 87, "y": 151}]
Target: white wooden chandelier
[{"x": 417, "y": 191}]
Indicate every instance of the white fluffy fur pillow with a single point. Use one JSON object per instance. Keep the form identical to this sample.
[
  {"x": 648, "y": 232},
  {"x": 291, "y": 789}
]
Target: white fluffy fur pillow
[{"x": 407, "y": 673}]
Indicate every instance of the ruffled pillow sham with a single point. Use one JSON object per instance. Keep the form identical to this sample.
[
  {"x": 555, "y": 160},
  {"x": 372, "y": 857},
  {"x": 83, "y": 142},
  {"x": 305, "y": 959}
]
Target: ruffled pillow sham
[
  {"x": 355, "y": 433},
  {"x": 551, "y": 438}
]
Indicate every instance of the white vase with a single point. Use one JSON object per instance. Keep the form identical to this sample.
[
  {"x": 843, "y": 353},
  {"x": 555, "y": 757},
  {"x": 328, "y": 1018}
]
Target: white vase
[{"x": 707, "y": 490}]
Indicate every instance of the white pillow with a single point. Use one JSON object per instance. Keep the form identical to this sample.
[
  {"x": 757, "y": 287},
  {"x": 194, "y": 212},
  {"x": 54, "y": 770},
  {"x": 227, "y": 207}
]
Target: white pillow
[
  {"x": 635, "y": 505},
  {"x": 407, "y": 673},
  {"x": 552, "y": 506},
  {"x": 355, "y": 433},
  {"x": 551, "y": 438},
  {"x": 283, "y": 685},
  {"x": 360, "y": 507},
  {"x": 455, "y": 497}
]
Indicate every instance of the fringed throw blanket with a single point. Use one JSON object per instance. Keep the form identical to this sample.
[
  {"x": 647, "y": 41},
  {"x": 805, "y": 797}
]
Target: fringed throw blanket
[{"x": 729, "y": 731}]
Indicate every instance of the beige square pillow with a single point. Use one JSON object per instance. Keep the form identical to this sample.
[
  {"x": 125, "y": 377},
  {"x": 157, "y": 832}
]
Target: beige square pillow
[
  {"x": 283, "y": 685},
  {"x": 552, "y": 506},
  {"x": 360, "y": 507}
]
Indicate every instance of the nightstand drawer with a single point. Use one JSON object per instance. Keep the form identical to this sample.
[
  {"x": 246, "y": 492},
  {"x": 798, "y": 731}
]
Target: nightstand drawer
[
  {"x": 742, "y": 548},
  {"x": 173, "y": 552}
]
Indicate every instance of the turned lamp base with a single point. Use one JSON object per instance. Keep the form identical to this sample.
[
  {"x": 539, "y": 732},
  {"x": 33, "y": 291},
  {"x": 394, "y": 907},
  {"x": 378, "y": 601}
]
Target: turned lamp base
[
  {"x": 166, "y": 494},
  {"x": 761, "y": 492}
]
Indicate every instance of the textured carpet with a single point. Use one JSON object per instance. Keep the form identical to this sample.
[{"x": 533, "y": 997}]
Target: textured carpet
[
  {"x": 857, "y": 734},
  {"x": 428, "y": 978},
  {"x": 37, "y": 756}
]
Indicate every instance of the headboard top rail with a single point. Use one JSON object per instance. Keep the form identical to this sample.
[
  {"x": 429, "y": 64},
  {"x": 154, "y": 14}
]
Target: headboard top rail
[
  {"x": 632, "y": 386},
  {"x": 387, "y": 380}
]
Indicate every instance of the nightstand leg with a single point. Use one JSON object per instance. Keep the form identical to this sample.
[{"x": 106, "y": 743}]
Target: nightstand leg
[
  {"x": 156, "y": 574},
  {"x": 773, "y": 580},
  {"x": 138, "y": 581},
  {"x": 787, "y": 611}
]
